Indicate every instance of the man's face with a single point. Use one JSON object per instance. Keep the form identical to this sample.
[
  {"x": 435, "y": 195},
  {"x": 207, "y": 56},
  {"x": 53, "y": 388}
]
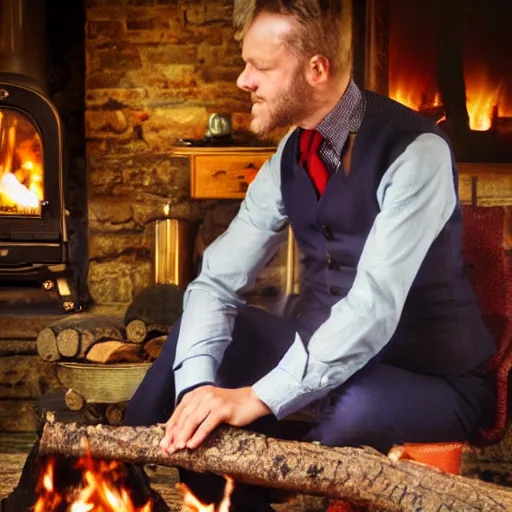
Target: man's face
[{"x": 273, "y": 75}]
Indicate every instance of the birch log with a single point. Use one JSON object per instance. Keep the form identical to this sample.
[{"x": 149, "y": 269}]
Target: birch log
[{"x": 361, "y": 476}]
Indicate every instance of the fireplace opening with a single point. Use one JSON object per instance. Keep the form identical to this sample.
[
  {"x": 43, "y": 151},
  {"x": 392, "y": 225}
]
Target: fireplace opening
[
  {"x": 34, "y": 238},
  {"x": 449, "y": 60},
  {"x": 21, "y": 165}
]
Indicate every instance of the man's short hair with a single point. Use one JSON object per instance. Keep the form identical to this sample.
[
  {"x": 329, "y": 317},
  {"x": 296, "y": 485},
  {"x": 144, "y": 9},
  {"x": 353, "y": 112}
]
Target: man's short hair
[{"x": 323, "y": 26}]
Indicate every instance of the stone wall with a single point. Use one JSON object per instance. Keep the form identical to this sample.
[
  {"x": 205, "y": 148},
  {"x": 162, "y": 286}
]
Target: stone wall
[{"x": 155, "y": 71}]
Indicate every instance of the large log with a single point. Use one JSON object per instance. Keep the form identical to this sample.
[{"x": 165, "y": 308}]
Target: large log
[{"x": 360, "y": 475}]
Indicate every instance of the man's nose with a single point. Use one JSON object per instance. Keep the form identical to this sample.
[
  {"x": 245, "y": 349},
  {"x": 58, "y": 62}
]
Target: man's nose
[{"x": 244, "y": 81}]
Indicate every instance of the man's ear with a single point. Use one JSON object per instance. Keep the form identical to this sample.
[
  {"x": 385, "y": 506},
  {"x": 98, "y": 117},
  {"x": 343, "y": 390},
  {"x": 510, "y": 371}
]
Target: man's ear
[{"x": 318, "y": 70}]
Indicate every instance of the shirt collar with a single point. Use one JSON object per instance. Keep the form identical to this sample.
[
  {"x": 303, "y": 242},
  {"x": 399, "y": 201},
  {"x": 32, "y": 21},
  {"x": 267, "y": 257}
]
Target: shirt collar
[{"x": 344, "y": 118}]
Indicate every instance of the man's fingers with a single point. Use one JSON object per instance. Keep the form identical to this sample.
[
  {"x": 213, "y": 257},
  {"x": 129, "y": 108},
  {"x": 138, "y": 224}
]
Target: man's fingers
[
  {"x": 167, "y": 442},
  {"x": 190, "y": 422},
  {"x": 178, "y": 411},
  {"x": 212, "y": 421}
]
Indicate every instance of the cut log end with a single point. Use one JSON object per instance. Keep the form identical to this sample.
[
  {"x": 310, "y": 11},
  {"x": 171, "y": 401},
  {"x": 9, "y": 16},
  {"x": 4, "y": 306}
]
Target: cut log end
[
  {"x": 136, "y": 331},
  {"x": 74, "y": 401},
  {"x": 47, "y": 345},
  {"x": 68, "y": 343},
  {"x": 114, "y": 414}
]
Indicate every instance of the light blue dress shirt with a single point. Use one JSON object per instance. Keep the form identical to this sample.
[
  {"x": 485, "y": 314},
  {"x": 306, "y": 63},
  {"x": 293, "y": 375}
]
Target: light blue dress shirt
[{"x": 416, "y": 197}]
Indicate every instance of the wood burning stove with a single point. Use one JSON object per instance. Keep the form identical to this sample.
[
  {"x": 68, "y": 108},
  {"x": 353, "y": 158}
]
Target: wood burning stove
[{"x": 33, "y": 233}]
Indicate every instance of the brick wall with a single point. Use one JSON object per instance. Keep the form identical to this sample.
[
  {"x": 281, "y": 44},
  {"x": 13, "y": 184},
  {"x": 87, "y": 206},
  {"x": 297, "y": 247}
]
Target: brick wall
[{"x": 155, "y": 71}]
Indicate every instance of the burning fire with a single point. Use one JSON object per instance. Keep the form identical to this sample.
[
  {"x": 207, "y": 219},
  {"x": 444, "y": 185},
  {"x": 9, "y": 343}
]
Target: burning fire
[
  {"x": 21, "y": 168},
  {"x": 102, "y": 489},
  {"x": 192, "y": 504},
  {"x": 483, "y": 100},
  {"x": 101, "y": 486}
]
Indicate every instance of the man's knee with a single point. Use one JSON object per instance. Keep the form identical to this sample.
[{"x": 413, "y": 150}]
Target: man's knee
[{"x": 354, "y": 421}]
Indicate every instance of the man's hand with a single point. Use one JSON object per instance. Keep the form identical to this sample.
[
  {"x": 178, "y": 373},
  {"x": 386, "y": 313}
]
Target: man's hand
[{"x": 206, "y": 407}]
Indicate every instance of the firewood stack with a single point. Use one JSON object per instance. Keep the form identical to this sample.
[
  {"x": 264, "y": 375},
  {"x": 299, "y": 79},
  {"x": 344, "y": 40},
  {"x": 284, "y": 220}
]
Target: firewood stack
[{"x": 139, "y": 337}]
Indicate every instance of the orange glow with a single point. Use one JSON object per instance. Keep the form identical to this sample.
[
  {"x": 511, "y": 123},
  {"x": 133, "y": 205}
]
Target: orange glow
[
  {"x": 21, "y": 166},
  {"x": 192, "y": 504},
  {"x": 483, "y": 100},
  {"x": 102, "y": 489}
]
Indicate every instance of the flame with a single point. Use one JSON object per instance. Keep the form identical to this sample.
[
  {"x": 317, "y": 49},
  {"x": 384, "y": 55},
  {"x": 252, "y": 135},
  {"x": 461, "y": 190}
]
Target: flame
[
  {"x": 192, "y": 504},
  {"x": 482, "y": 102},
  {"x": 102, "y": 489},
  {"x": 21, "y": 165},
  {"x": 483, "y": 99},
  {"x": 17, "y": 193}
]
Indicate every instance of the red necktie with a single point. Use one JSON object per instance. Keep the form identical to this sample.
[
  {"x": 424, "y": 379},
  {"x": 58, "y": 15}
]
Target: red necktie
[{"x": 310, "y": 142}]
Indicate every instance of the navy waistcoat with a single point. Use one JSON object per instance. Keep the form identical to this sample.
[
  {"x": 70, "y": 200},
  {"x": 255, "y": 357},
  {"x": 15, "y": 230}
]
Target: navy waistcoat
[{"x": 440, "y": 330}]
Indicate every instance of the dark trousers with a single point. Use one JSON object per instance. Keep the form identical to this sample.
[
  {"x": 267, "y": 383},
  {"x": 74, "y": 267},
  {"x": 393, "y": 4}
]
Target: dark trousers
[{"x": 379, "y": 406}]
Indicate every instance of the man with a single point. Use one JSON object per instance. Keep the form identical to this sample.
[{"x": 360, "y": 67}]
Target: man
[{"x": 386, "y": 338}]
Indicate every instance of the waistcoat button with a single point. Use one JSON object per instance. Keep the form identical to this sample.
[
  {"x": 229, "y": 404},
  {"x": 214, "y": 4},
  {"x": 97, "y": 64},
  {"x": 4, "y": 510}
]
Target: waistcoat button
[
  {"x": 332, "y": 264},
  {"x": 326, "y": 231},
  {"x": 335, "y": 290}
]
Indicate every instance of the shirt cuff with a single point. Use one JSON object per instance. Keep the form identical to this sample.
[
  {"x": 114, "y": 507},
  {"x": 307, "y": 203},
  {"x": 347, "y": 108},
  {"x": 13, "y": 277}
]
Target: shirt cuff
[
  {"x": 198, "y": 370},
  {"x": 283, "y": 395}
]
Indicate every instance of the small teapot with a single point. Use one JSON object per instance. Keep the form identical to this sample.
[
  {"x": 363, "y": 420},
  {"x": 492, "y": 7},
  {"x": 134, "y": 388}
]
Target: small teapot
[{"x": 219, "y": 125}]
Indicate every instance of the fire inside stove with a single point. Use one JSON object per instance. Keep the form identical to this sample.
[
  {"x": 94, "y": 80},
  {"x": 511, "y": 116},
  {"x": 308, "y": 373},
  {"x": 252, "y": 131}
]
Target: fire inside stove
[
  {"x": 21, "y": 166},
  {"x": 461, "y": 51}
]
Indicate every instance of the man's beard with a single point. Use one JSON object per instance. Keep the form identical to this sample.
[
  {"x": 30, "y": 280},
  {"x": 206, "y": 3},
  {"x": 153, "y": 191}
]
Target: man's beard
[{"x": 289, "y": 108}]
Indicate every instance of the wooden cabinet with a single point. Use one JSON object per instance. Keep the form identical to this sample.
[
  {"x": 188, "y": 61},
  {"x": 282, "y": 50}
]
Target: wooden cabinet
[{"x": 222, "y": 172}]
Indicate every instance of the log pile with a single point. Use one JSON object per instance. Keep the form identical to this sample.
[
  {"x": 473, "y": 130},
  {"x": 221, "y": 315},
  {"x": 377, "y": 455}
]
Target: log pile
[
  {"x": 361, "y": 476},
  {"x": 137, "y": 337},
  {"x": 100, "y": 339}
]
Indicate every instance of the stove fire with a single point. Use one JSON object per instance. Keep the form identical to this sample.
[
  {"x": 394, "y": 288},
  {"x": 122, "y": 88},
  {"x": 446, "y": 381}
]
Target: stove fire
[
  {"x": 92, "y": 486},
  {"x": 21, "y": 167}
]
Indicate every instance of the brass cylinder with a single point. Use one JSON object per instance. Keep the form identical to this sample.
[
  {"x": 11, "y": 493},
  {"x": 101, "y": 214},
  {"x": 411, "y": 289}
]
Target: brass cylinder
[{"x": 172, "y": 252}]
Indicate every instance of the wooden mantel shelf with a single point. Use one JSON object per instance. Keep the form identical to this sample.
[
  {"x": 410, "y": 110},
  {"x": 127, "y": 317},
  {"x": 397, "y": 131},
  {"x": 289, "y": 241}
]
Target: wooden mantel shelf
[{"x": 225, "y": 173}]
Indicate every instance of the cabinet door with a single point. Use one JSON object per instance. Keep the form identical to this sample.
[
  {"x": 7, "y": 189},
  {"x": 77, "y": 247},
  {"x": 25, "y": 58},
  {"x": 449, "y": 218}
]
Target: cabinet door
[{"x": 224, "y": 176}]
